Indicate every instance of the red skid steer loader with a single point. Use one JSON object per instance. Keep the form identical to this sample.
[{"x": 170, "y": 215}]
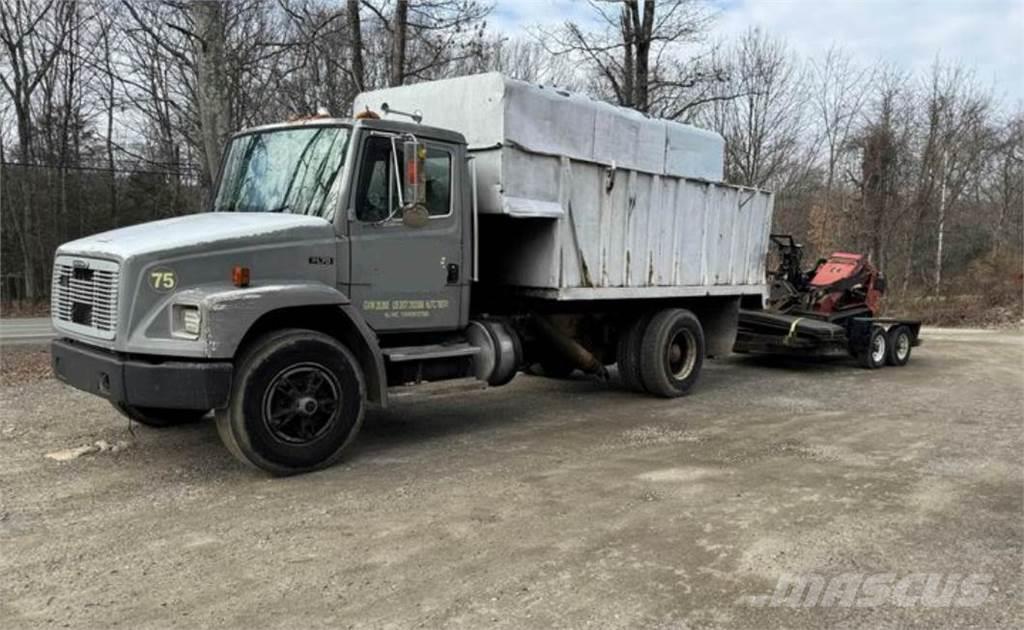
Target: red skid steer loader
[{"x": 829, "y": 310}]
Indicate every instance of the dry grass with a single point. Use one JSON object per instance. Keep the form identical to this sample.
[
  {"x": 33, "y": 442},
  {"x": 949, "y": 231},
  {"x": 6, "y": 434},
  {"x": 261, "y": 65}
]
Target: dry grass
[
  {"x": 989, "y": 295},
  {"x": 25, "y": 308}
]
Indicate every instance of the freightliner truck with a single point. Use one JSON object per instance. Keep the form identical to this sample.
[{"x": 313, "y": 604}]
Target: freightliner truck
[{"x": 468, "y": 227}]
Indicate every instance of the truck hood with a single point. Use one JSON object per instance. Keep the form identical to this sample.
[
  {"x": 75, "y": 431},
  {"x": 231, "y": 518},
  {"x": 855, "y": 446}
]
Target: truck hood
[{"x": 199, "y": 231}]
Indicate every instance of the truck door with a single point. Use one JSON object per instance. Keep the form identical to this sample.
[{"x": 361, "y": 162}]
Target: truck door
[{"x": 406, "y": 278}]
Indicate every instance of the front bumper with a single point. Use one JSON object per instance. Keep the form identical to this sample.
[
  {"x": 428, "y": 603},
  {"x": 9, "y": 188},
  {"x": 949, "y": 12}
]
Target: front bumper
[{"x": 163, "y": 384}]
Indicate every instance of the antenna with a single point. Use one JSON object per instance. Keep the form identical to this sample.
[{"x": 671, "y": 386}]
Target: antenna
[{"x": 417, "y": 116}]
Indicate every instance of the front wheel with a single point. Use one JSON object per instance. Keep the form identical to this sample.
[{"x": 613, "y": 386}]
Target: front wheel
[
  {"x": 296, "y": 402},
  {"x": 158, "y": 417},
  {"x": 671, "y": 353}
]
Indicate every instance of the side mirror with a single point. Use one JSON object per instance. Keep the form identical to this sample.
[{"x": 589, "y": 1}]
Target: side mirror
[
  {"x": 414, "y": 185},
  {"x": 414, "y": 188}
]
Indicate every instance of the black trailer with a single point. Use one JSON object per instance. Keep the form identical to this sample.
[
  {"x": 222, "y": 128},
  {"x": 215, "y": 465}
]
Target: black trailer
[{"x": 873, "y": 341}]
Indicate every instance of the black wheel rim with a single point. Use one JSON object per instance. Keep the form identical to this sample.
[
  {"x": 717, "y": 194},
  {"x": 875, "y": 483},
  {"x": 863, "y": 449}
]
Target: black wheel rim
[
  {"x": 680, "y": 354},
  {"x": 302, "y": 403}
]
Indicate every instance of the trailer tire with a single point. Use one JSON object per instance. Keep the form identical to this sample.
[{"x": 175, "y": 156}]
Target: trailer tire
[
  {"x": 900, "y": 342},
  {"x": 873, "y": 355},
  {"x": 627, "y": 354},
  {"x": 297, "y": 400},
  {"x": 159, "y": 418},
  {"x": 671, "y": 353}
]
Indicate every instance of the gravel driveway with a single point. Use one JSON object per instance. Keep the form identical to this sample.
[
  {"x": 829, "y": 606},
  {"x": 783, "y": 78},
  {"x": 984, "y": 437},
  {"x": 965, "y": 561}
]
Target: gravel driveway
[{"x": 544, "y": 503}]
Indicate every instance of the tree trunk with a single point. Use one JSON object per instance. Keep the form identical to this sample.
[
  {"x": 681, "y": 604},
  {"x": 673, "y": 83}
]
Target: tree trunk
[
  {"x": 628, "y": 91},
  {"x": 355, "y": 30},
  {"x": 942, "y": 227},
  {"x": 643, "y": 34},
  {"x": 26, "y": 238},
  {"x": 399, "y": 26},
  {"x": 214, "y": 105}
]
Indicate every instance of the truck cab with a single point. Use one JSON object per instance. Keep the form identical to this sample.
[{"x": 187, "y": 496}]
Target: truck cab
[{"x": 355, "y": 235}]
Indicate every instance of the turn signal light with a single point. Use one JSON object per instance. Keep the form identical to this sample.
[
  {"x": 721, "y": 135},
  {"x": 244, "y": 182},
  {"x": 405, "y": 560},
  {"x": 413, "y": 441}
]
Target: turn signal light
[{"x": 240, "y": 276}]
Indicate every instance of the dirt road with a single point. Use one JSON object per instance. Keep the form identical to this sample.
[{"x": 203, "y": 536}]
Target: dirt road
[{"x": 545, "y": 503}]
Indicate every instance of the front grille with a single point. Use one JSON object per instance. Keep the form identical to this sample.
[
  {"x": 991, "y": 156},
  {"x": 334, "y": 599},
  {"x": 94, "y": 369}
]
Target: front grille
[{"x": 84, "y": 295}]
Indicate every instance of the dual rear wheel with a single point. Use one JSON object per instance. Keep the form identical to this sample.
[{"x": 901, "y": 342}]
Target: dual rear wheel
[{"x": 662, "y": 353}]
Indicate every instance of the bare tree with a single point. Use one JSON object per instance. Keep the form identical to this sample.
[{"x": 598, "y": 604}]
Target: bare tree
[
  {"x": 884, "y": 158},
  {"x": 763, "y": 114},
  {"x": 32, "y": 33},
  {"x": 525, "y": 59},
  {"x": 637, "y": 56},
  {"x": 840, "y": 93},
  {"x": 427, "y": 37}
]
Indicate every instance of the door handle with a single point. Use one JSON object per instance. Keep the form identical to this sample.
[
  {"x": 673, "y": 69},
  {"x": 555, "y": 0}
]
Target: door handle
[{"x": 453, "y": 273}]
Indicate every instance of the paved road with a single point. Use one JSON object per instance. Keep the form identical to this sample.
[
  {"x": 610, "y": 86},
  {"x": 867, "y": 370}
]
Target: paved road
[
  {"x": 546, "y": 504},
  {"x": 22, "y": 330}
]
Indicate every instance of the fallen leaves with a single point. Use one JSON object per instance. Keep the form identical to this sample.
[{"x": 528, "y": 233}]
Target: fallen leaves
[{"x": 100, "y": 446}]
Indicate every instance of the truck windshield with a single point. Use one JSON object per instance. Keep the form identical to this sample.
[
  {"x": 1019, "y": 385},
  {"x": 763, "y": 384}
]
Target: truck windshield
[{"x": 284, "y": 170}]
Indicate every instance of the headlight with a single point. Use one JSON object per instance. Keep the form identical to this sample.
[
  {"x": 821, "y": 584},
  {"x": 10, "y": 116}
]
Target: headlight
[{"x": 187, "y": 321}]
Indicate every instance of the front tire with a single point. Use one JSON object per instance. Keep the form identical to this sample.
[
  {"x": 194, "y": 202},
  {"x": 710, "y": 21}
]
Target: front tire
[
  {"x": 159, "y": 418},
  {"x": 297, "y": 401},
  {"x": 672, "y": 353}
]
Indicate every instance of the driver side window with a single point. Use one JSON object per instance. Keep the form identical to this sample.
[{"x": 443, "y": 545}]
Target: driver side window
[{"x": 376, "y": 194}]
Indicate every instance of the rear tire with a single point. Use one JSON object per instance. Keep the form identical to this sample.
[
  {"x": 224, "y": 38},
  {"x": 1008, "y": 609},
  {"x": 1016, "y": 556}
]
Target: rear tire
[
  {"x": 671, "y": 353},
  {"x": 159, "y": 418},
  {"x": 900, "y": 342},
  {"x": 297, "y": 401},
  {"x": 873, "y": 355},
  {"x": 627, "y": 354}
]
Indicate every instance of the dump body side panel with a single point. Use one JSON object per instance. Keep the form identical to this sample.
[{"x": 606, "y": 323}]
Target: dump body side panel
[{"x": 639, "y": 233}]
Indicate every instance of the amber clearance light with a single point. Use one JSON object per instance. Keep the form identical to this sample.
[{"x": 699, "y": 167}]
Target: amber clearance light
[{"x": 240, "y": 276}]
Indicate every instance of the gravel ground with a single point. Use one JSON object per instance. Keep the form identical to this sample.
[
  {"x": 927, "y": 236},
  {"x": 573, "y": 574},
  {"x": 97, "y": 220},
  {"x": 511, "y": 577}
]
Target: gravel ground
[
  {"x": 544, "y": 503},
  {"x": 23, "y": 364}
]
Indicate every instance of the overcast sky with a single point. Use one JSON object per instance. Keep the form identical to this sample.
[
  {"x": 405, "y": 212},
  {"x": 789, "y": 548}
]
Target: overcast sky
[{"x": 985, "y": 34}]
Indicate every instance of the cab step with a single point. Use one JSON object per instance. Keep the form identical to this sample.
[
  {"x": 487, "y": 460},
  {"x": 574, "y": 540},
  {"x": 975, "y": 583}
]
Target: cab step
[{"x": 429, "y": 352}]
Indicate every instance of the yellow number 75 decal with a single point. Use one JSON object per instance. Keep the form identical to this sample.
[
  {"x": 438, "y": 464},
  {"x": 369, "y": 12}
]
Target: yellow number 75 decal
[{"x": 162, "y": 279}]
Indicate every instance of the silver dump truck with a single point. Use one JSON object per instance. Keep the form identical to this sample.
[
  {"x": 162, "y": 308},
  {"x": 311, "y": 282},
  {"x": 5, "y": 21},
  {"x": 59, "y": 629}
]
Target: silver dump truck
[{"x": 469, "y": 227}]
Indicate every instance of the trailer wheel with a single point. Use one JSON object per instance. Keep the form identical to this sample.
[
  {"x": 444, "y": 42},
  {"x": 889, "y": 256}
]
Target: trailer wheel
[
  {"x": 159, "y": 418},
  {"x": 900, "y": 343},
  {"x": 671, "y": 353},
  {"x": 296, "y": 402},
  {"x": 627, "y": 354},
  {"x": 873, "y": 355}
]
